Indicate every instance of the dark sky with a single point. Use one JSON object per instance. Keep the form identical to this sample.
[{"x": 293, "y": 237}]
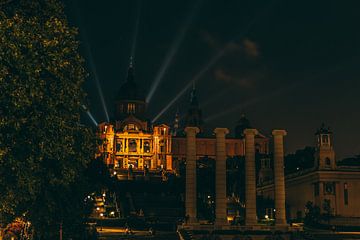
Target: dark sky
[{"x": 285, "y": 64}]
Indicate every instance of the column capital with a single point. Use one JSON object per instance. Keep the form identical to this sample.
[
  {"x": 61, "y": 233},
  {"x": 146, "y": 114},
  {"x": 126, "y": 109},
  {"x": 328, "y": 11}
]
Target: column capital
[
  {"x": 221, "y": 131},
  {"x": 195, "y": 130},
  {"x": 279, "y": 132},
  {"x": 250, "y": 131}
]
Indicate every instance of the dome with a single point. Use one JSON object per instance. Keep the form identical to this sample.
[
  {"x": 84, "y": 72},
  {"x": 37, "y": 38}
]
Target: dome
[
  {"x": 130, "y": 90},
  {"x": 241, "y": 125}
]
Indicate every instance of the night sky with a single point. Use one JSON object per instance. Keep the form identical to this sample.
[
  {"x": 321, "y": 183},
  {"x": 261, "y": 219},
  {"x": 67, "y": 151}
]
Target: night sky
[{"x": 285, "y": 64}]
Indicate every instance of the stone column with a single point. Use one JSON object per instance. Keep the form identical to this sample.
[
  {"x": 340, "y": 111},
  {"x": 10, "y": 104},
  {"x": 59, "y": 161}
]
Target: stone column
[
  {"x": 279, "y": 180},
  {"x": 190, "y": 185},
  {"x": 250, "y": 178},
  {"x": 220, "y": 177}
]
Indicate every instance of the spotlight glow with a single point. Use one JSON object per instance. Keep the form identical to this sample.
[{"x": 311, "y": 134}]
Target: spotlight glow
[
  {"x": 90, "y": 115},
  {"x": 196, "y": 78},
  {"x": 136, "y": 30},
  {"x": 171, "y": 53},
  {"x": 97, "y": 82},
  {"x": 93, "y": 69}
]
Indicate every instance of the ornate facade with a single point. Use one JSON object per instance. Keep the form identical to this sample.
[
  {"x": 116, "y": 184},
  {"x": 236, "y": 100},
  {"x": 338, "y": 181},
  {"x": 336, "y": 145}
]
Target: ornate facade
[{"x": 132, "y": 142}]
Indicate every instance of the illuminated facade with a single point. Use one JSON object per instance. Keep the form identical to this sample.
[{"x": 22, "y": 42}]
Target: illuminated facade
[{"x": 132, "y": 142}]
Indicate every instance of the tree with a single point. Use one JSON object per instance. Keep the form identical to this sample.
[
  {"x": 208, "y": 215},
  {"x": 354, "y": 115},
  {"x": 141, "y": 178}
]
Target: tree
[
  {"x": 44, "y": 149},
  {"x": 327, "y": 210},
  {"x": 312, "y": 214}
]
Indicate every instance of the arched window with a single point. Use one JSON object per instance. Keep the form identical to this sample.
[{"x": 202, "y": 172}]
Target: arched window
[
  {"x": 325, "y": 139},
  {"x": 132, "y": 145},
  {"x": 327, "y": 161},
  {"x": 131, "y": 108},
  {"x": 131, "y": 127},
  {"x": 118, "y": 145}
]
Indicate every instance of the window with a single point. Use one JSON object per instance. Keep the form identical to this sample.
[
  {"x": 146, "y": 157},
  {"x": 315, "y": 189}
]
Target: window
[
  {"x": 346, "y": 194},
  {"x": 325, "y": 139},
  {"x": 147, "y": 146},
  {"x": 257, "y": 148},
  {"x": 130, "y": 127},
  {"x": 119, "y": 145},
  {"x": 132, "y": 145},
  {"x": 327, "y": 161},
  {"x": 131, "y": 107},
  {"x": 329, "y": 188},
  {"x": 162, "y": 146}
]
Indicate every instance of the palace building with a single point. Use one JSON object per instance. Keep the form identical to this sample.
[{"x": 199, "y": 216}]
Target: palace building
[
  {"x": 133, "y": 147},
  {"x": 133, "y": 142},
  {"x": 327, "y": 182}
]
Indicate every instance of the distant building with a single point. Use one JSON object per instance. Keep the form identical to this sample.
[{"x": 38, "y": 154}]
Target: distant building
[
  {"x": 133, "y": 143},
  {"x": 326, "y": 181}
]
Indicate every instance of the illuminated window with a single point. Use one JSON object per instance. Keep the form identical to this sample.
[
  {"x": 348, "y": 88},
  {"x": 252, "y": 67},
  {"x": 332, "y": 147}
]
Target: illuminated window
[
  {"x": 131, "y": 107},
  {"x": 132, "y": 145},
  {"x": 162, "y": 146},
  {"x": 346, "y": 194},
  {"x": 131, "y": 127},
  {"x": 119, "y": 145},
  {"x": 147, "y": 146},
  {"x": 325, "y": 139}
]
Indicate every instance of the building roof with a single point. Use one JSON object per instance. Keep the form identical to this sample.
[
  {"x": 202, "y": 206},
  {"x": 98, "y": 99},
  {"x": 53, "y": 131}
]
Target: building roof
[
  {"x": 129, "y": 90},
  {"x": 323, "y": 130}
]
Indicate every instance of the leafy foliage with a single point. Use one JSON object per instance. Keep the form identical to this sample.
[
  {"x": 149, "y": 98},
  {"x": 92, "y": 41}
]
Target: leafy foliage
[
  {"x": 312, "y": 214},
  {"x": 44, "y": 150}
]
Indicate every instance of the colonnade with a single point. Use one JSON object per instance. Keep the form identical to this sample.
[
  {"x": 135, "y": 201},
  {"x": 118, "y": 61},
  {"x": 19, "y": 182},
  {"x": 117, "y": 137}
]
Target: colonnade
[{"x": 220, "y": 176}]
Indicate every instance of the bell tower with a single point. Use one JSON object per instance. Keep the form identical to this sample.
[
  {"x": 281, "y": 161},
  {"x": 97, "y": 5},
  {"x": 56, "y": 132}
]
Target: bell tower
[{"x": 325, "y": 154}]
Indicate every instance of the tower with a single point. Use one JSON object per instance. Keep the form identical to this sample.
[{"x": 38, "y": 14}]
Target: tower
[
  {"x": 194, "y": 114},
  {"x": 176, "y": 124},
  {"x": 324, "y": 154}
]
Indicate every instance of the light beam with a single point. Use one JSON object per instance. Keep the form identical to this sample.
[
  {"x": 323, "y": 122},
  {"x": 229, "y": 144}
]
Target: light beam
[
  {"x": 136, "y": 29},
  {"x": 97, "y": 82},
  {"x": 171, "y": 53},
  {"x": 92, "y": 65},
  {"x": 213, "y": 60},
  {"x": 90, "y": 115},
  {"x": 196, "y": 78}
]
